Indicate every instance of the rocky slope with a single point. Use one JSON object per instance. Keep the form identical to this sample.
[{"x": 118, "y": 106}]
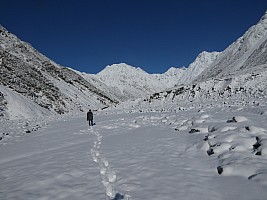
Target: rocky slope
[
  {"x": 247, "y": 54},
  {"x": 27, "y": 72},
  {"x": 203, "y": 61},
  {"x": 237, "y": 75}
]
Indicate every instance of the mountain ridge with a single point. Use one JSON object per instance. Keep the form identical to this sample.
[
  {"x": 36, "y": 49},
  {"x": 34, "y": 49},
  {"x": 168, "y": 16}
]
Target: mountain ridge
[
  {"x": 29, "y": 73},
  {"x": 239, "y": 56},
  {"x": 62, "y": 90}
]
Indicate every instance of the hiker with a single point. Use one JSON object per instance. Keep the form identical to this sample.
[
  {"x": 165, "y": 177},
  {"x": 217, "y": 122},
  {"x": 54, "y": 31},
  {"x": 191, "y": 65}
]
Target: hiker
[
  {"x": 118, "y": 196},
  {"x": 90, "y": 117}
]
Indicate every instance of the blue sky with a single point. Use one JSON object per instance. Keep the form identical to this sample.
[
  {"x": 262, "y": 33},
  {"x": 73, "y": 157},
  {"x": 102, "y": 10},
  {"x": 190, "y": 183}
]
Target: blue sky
[{"x": 155, "y": 35}]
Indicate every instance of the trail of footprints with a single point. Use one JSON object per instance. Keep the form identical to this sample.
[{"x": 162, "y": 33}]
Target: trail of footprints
[{"x": 108, "y": 175}]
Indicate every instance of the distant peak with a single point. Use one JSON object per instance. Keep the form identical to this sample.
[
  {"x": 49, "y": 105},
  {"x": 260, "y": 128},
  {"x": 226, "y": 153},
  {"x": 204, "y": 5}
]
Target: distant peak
[
  {"x": 121, "y": 68},
  {"x": 206, "y": 56},
  {"x": 205, "y": 53},
  {"x": 174, "y": 70},
  {"x": 119, "y": 65}
]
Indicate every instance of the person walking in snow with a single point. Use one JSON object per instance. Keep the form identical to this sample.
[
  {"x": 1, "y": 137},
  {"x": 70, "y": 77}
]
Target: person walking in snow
[{"x": 90, "y": 117}]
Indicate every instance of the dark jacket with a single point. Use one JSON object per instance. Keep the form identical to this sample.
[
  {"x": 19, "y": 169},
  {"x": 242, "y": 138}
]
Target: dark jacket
[{"x": 90, "y": 116}]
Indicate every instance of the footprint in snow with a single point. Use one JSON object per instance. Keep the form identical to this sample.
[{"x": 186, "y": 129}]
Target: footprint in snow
[
  {"x": 118, "y": 196},
  {"x": 107, "y": 174}
]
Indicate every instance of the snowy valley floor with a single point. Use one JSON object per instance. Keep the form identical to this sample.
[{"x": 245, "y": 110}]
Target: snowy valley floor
[{"x": 144, "y": 156}]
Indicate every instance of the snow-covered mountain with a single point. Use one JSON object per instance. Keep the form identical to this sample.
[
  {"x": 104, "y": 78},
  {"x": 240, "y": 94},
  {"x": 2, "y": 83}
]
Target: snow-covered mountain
[
  {"x": 209, "y": 130},
  {"x": 238, "y": 75},
  {"x": 247, "y": 54},
  {"x": 31, "y": 80},
  {"x": 27, "y": 74},
  {"x": 132, "y": 82},
  {"x": 203, "y": 61}
]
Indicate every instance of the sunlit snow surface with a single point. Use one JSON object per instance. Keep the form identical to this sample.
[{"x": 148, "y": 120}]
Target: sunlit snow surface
[{"x": 142, "y": 155}]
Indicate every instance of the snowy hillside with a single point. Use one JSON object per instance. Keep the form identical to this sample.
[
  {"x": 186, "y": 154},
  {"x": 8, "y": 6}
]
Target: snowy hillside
[
  {"x": 239, "y": 72},
  {"x": 242, "y": 90},
  {"x": 236, "y": 76},
  {"x": 216, "y": 153},
  {"x": 203, "y": 61},
  {"x": 132, "y": 82},
  {"x": 247, "y": 54},
  {"x": 58, "y": 89},
  {"x": 26, "y": 72}
]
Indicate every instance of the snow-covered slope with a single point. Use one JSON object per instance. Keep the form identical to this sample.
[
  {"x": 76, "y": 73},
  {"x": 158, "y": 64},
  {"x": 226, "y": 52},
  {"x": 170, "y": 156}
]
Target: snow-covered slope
[
  {"x": 133, "y": 82},
  {"x": 247, "y": 54},
  {"x": 240, "y": 71},
  {"x": 237, "y": 75},
  {"x": 41, "y": 81},
  {"x": 242, "y": 90},
  {"x": 203, "y": 61},
  {"x": 128, "y": 82},
  {"x": 19, "y": 106},
  {"x": 63, "y": 90},
  {"x": 217, "y": 153}
]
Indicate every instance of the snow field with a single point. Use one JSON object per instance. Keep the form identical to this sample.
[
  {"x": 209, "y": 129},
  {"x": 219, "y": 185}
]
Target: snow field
[
  {"x": 238, "y": 145},
  {"x": 107, "y": 175},
  {"x": 45, "y": 165},
  {"x": 153, "y": 155}
]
